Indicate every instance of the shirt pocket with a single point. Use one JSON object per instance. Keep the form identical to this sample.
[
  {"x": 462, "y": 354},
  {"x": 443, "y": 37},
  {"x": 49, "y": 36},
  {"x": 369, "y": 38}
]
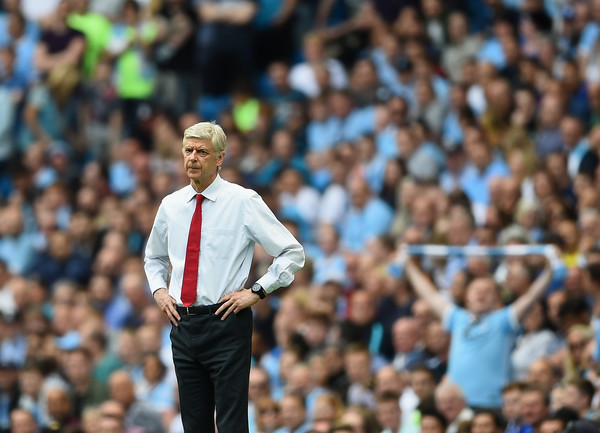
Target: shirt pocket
[{"x": 217, "y": 243}]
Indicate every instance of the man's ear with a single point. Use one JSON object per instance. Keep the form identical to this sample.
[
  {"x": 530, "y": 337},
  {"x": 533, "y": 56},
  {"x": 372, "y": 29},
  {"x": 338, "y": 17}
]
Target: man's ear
[{"x": 220, "y": 158}]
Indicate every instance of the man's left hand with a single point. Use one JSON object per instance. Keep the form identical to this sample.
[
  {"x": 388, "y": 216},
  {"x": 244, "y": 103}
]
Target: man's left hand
[{"x": 236, "y": 302}]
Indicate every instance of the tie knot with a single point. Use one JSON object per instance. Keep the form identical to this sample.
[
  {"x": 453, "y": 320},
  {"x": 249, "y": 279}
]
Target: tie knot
[{"x": 199, "y": 199}]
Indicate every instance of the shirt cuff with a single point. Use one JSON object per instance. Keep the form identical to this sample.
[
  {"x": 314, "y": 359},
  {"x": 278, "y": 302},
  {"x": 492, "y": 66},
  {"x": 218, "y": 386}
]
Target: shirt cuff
[
  {"x": 269, "y": 283},
  {"x": 157, "y": 284}
]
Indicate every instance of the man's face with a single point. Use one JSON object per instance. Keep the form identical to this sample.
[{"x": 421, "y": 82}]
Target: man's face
[
  {"x": 388, "y": 414},
  {"x": 430, "y": 424},
  {"x": 533, "y": 407},
  {"x": 449, "y": 404},
  {"x": 292, "y": 412},
  {"x": 511, "y": 408},
  {"x": 481, "y": 296},
  {"x": 58, "y": 404},
  {"x": 575, "y": 399},
  {"x": 540, "y": 374},
  {"x": 422, "y": 383},
  {"x": 483, "y": 423},
  {"x": 201, "y": 161},
  {"x": 77, "y": 367}
]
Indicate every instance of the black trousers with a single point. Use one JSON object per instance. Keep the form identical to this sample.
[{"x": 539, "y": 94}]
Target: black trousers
[{"x": 212, "y": 364}]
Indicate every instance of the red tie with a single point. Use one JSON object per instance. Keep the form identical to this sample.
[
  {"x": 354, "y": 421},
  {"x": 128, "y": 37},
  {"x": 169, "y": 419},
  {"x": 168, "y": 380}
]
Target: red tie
[{"x": 192, "y": 254}]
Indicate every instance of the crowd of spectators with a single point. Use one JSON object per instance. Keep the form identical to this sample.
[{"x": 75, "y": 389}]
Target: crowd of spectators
[{"x": 364, "y": 125}]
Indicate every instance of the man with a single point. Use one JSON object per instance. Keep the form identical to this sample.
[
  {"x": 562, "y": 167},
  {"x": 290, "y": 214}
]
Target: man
[
  {"x": 60, "y": 409},
  {"x": 543, "y": 374},
  {"x": 22, "y": 421},
  {"x": 481, "y": 332},
  {"x": 388, "y": 412},
  {"x": 87, "y": 391},
  {"x": 136, "y": 413},
  {"x": 486, "y": 422},
  {"x": 578, "y": 396},
  {"x": 450, "y": 402},
  {"x": 535, "y": 406},
  {"x": 433, "y": 422},
  {"x": 558, "y": 420},
  {"x": 511, "y": 405},
  {"x": 212, "y": 346},
  {"x": 293, "y": 414},
  {"x": 357, "y": 361},
  {"x": 369, "y": 216},
  {"x": 406, "y": 339}
]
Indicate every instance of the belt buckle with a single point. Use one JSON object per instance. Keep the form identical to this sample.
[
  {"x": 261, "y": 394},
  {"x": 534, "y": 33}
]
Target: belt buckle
[{"x": 187, "y": 310}]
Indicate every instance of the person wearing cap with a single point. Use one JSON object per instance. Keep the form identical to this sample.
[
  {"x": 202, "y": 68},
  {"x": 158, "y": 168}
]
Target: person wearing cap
[{"x": 202, "y": 243}]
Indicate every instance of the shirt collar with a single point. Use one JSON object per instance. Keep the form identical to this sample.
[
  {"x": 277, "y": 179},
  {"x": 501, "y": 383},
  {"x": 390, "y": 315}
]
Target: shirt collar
[{"x": 210, "y": 192}]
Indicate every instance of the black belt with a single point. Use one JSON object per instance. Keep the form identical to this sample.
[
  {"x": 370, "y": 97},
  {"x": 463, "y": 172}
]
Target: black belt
[{"x": 198, "y": 310}]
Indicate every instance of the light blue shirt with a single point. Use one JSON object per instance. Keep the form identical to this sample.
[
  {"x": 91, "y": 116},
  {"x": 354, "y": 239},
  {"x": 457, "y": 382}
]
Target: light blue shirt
[
  {"x": 359, "y": 122},
  {"x": 24, "y": 65},
  {"x": 386, "y": 142},
  {"x": 491, "y": 51},
  {"x": 362, "y": 225},
  {"x": 451, "y": 130},
  {"x": 17, "y": 252},
  {"x": 588, "y": 39},
  {"x": 385, "y": 71},
  {"x": 374, "y": 173},
  {"x": 121, "y": 179},
  {"x": 475, "y": 184},
  {"x": 322, "y": 136},
  {"x": 479, "y": 360},
  {"x": 327, "y": 267}
]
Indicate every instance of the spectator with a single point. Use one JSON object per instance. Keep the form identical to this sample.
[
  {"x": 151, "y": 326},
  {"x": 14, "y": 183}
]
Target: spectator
[
  {"x": 407, "y": 343},
  {"x": 357, "y": 361},
  {"x": 16, "y": 242},
  {"x": 388, "y": 412},
  {"x": 137, "y": 414},
  {"x": 267, "y": 415},
  {"x": 578, "y": 395},
  {"x": 486, "y": 422},
  {"x": 293, "y": 413},
  {"x": 534, "y": 406},
  {"x": 302, "y": 76},
  {"x": 542, "y": 374},
  {"x": 60, "y": 410},
  {"x": 433, "y": 422},
  {"x": 536, "y": 342},
  {"x": 59, "y": 261},
  {"x": 481, "y": 298},
  {"x": 461, "y": 47},
  {"x": 451, "y": 403},
  {"x": 511, "y": 405},
  {"x": 87, "y": 391},
  {"x": 368, "y": 217},
  {"x": 22, "y": 421}
]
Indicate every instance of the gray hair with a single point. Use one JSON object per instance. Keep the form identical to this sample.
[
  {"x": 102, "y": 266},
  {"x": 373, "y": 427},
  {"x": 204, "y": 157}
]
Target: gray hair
[{"x": 207, "y": 131}]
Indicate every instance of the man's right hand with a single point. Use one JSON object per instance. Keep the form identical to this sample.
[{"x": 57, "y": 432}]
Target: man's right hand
[{"x": 167, "y": 305}]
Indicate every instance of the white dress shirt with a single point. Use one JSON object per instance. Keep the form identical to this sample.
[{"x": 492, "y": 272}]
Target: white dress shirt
[{"x": 233, "y": 220}]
